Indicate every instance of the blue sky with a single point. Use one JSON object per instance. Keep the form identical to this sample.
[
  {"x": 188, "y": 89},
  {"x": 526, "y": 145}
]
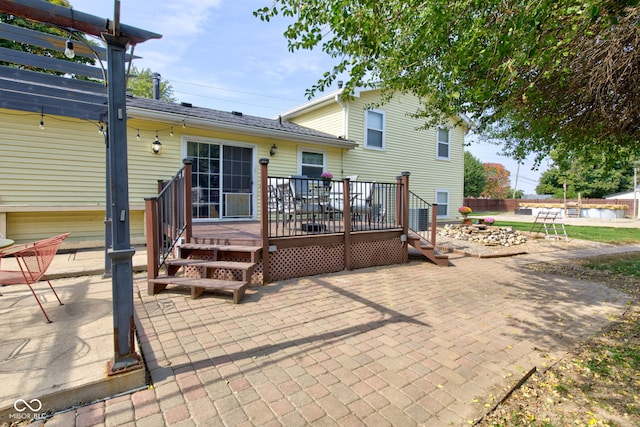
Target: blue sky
[{"x": 216, "y": 54}]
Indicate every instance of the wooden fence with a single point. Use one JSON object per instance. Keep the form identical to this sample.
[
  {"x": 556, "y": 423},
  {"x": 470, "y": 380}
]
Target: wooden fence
[{"x": 510, "y": 205}]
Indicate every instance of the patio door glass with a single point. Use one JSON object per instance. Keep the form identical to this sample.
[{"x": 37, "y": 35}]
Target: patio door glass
[{"x": 222, "y": 181}]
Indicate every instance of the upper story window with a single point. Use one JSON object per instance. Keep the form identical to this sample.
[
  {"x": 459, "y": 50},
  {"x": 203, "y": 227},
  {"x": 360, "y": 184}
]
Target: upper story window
[
  {"x": 374, "y": 127},
  {"x": 312, "y": 163},
  {"x": 442, "y": 143}
]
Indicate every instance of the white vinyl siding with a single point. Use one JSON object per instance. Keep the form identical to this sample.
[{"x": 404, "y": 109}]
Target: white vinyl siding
[
  {"x": 442, "y": 144},
  {"x": 374, "y": 129},
  {"x": 442, "y": 199}
]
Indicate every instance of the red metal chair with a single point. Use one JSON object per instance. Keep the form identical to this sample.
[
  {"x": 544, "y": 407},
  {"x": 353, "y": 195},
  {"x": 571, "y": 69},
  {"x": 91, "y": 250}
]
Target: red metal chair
[{"x": 33, "y": 260}]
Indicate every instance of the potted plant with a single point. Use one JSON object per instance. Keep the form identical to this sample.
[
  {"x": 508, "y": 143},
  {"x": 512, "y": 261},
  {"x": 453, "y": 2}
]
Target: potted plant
[
  {"x": 465, "y": 211},
  {"x": 489, "y": 221},
  {"x": 326, "y": 178}
]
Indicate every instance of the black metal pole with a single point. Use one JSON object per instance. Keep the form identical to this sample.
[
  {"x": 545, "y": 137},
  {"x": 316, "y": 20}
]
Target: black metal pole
[
  {"x": 125, "y": 357},
  {"x": 107, "y": 214}
]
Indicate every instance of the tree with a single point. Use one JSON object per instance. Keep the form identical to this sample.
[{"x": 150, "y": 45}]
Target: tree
[
  {"x": 474, "y": 176},
  {"x": 593, "y": 180},
  {"x": 544, "y": 75},
  {"x": 497, "y": 186},
  {"x": 44, "y": 28},
  {"x": 140, "y": 83}
]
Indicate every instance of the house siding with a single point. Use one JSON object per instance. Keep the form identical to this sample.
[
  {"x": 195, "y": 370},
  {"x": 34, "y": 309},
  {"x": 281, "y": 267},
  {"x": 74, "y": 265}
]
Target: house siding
[
  {"x": 407, "y": 148},
  {"x": 52, "y": 180},
  {"x": 329, "y": 119}
]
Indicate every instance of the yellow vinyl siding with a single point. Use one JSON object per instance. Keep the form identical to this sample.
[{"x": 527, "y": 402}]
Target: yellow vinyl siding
[
  {"x": 328, "y": 119},
  {"x": 406, "y": 149},
  {"x": 86, "y": 227}
]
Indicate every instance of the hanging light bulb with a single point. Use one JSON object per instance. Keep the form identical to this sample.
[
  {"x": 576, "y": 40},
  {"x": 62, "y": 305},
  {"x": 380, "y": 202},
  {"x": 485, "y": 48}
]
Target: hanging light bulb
[
  {"x": 138, "y": 135},
  {"x": 171, "y": 131},
  {"x": 68, "y": 51}
]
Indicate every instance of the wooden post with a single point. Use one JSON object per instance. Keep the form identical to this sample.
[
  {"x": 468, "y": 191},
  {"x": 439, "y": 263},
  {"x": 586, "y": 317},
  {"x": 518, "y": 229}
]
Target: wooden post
[
  {"x": 188, "y": 210},
  {"x": 264, "y": 218},
  {"x": 346, "y": 219},
  {"x": 405, "y": 214},
  {"x": 153, "y": 251},
  {"x": 399, "y": 200},
  {"x": 434, "y": 223}
]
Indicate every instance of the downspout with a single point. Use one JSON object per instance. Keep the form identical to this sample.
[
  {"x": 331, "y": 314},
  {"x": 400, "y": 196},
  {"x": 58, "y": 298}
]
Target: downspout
[{"x": 344, "y": 124}]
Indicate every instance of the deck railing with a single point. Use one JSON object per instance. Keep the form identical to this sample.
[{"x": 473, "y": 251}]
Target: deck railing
[
  {"x": 300, "y": 206},
  {"x": 422, "y": 215},
  {"x": 168, "y": 217}
]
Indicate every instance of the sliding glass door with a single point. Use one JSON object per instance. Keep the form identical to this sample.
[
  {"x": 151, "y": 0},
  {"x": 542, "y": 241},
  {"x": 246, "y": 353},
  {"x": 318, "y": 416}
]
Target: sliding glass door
[{"x": 222, "y": 180}]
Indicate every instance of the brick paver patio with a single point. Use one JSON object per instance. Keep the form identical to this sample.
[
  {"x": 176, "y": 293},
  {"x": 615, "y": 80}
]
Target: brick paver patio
[{"x": 400, "y": 346}]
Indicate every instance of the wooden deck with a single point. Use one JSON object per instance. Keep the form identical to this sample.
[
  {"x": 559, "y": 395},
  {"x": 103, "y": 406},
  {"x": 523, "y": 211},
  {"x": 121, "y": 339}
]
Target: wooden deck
[{"x": 245, "y": 233}]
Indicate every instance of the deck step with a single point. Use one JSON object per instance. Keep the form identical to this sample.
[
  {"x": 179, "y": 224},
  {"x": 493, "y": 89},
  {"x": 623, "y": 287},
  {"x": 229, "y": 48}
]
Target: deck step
[
  {"x": 173, "y": 265},
  {"x": 198, "y": 286},
  {"x": 253, "y": 253}
]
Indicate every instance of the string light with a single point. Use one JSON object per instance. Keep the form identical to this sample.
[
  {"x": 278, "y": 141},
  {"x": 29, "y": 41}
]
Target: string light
[
  {"x": 41, "y": 124},
  {"x": 68, "y": 51}
]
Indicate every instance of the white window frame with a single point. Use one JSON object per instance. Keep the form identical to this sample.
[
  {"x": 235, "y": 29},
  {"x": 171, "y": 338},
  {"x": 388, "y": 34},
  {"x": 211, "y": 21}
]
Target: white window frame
[
  {"x": 314, "y": 151},
  {"x": 447, "y": 143},
  {"x": 254, "y": 187},
  {"x": 448, "y": 204},
  {"x": 383, "y": 130}
]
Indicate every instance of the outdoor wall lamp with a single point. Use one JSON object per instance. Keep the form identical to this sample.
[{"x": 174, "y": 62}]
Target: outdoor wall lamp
[
  {"x": 156, "y": 146},
  {"x": 272, "y": 151}
]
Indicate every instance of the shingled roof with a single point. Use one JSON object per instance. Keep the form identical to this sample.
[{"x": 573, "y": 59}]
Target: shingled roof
[{"x": 234, "y": 122}]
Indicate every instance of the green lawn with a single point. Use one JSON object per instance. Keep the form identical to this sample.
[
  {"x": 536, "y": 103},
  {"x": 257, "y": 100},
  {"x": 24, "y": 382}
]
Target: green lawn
[{"x": 613, "y": 235}]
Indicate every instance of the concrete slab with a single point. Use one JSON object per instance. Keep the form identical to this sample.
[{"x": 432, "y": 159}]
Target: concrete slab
[{"x": 64, "y": 363}]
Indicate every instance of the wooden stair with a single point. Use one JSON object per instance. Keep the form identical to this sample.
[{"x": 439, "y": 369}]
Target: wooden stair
[
  {"x": 427, "y": 249},
  {"x": 208, "y": 258}
]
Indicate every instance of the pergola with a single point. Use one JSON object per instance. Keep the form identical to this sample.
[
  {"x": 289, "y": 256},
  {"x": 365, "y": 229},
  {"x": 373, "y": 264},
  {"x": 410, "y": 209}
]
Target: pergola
[{"x": 101, "y": 97}]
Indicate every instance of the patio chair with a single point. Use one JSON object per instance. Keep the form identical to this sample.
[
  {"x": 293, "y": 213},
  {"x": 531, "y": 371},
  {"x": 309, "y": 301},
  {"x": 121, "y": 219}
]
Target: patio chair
[
  {"x": 361, "y": 200},
  {"x": 33, "y": 260},
  {"x": 307, "y": 205},
  {"x": 281, "y": 200}
]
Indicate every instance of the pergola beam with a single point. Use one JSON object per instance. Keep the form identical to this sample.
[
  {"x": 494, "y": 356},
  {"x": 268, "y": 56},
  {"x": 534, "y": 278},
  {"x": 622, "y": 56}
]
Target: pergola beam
[{"x": 60, "y": 16}]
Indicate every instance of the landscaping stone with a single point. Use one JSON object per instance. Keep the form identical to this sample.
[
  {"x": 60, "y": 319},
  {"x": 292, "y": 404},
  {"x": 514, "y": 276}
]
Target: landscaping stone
[{"x": 484, "y": 234}]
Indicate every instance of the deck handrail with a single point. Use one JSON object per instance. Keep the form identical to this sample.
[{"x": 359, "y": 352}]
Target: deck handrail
[
  {"x": 168, "y": 217},
  {"x": 422, "y": 216},
  {"x": 299, "y": 206}
]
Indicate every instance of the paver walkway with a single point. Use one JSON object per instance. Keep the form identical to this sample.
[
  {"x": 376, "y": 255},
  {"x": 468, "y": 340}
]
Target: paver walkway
[{"x": 404, "y": 345}]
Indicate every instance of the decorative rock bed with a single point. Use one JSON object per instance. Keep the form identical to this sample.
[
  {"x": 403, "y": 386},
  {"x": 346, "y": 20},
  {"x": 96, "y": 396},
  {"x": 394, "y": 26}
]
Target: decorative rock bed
[{"x": 484, "y": 235}]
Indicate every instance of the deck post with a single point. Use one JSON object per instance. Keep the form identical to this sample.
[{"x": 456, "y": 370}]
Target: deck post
[
  {"x": 264, "y": 218},
  {"x": 399, "y": 200},
  {"x": 405, "y": 214},
  {"x": 188, "y": 211},
  {"x": 346, "y": 218},
  {"x": 151, "y": 223},
  {"x": 434, "y": 223}
]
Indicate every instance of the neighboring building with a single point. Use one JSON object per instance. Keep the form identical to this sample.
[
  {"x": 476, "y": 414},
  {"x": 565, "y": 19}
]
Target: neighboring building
[
  {"x": 52, "y": 180},
  {"x": 627, "y": 195},
  {"x": 389, "y": 142}
]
